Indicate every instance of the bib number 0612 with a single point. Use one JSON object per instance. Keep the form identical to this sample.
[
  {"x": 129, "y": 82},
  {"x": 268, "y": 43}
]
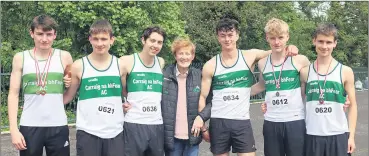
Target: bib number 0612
[{"x": 280, "y": 102}]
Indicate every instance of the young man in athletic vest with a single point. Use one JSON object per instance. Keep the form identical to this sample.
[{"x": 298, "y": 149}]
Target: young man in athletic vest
[
  {"x": 100, "y": 115},
  {"x": 39, "y": 72},
  {"x": 230, "y": 76},
  {"x": 144, "y": 131},
  {"x": 327, "y": 81},
  {"x": 284, "y": 124}
]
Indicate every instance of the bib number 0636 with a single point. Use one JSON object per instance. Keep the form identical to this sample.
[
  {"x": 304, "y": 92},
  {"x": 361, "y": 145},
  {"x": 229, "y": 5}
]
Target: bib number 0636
[{"x": 149, "y": 109}]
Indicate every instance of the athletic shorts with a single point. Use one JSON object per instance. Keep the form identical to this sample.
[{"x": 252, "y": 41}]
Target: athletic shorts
[
  {"x": 284, "y": 138},
  {"x": 54, "y": 139},
  {"x": 91, "y": 145},
  {"x": 327, "y": 145},
  {"x": 227, "y": 133},
  {"x": 143, "y": 140}
]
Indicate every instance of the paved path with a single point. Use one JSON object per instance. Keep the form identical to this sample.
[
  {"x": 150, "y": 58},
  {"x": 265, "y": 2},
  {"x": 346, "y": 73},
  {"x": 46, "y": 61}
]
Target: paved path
[{"x": 257, "y": 122}]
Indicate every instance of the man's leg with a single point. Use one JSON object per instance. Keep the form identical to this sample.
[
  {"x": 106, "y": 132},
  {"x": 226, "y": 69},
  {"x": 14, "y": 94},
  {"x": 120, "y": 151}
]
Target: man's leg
[
  {"x": 273, "y": 138},
  {"x": 242, "y": 137},
  {"x": 220, "y": 136},
  {"x": 136, "y": 138},
  {"x": 34, "y": 137},
  {"x": 88, "y": 145},
  {"x": 156, "y": 144},
  {"x": 179, "y": 147},
  {"x": 57, "y": 141},
  {"x": 337, "y": 145},
  {"x": 315, "y": 145},
  {"x": 295, "y": 138},
  {"x": 114, "y": 146}
]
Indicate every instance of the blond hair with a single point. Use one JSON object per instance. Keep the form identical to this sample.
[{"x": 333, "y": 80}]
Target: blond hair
[
  {"x": 276, "y": 27},
  {"x": 181, "y": 42}
]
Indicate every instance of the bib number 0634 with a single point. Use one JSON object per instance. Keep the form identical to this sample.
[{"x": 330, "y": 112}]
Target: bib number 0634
[{"x": 230, "y": 97}]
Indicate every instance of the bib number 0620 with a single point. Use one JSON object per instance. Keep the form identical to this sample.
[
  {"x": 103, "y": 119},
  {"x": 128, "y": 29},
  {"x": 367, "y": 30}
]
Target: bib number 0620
[
  {"x": 149, "y": 109},
  {"x": 323, "y": 110}
]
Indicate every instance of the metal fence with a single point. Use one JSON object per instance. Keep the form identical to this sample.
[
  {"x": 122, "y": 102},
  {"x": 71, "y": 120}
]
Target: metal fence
[{"x": 360, "y": 74}]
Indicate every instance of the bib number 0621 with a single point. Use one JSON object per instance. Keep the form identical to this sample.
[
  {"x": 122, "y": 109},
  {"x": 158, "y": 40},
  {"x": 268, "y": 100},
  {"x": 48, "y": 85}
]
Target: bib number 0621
[{"x": 106, "y": 109}]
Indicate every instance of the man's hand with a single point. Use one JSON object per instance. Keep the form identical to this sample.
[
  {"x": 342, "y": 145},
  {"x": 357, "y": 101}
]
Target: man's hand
[
  {"x": 351, "y": 146},
  {"x": 126, "y": 106},
  {"x": 292, "y": 50},
  {"x": 18, "y": 140},
  {"x": 347, "y": 104},
  {"x": 205, "y": 135},
  {"x": 263, "y": 107},
  {"x": 196, "y": 127},
  {"x": 67, "y": 76}
]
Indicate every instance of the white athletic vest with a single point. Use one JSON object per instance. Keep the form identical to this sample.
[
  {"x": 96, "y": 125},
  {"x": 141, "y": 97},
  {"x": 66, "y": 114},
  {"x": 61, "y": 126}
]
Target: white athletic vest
[
  {"x": 47, "y": 110},
  {"x": 284, "y": 104},
  {"x": 231, "y": 90},
  {"x": 99, "y": 108},
  {"x": 144, "y": 85},
  {"x": 328, "y": 118}
]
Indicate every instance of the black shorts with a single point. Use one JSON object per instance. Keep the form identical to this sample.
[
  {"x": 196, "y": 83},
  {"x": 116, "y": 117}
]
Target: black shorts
[
  {"x": 227, "y": 133},
  {"x": 91, "y": 145},
  {"x": 54, "y": 139},
  {"x": 327, "y": 145},
  {"x": 143, "y": 140},
  {"x": 284, "y": 138}
]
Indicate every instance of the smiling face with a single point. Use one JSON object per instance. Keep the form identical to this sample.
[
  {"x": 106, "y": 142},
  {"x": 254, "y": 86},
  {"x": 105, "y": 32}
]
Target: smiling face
[
  {"x": 184, "y": 57},
  {"x": 277, "y": 42},
  {"x": 153, "y": 44},
  {"x": 324, "y": 44},
  {"x": 101, "y": 42},
  {"x": 228, "y": 39},
  {"x": 43, "y": 39}
]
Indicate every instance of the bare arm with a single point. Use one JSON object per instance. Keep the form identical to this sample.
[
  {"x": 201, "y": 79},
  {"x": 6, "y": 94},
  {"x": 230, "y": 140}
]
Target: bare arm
[
  {"x": 66, "y": 58},
  {"x": 260, "y": 85},
  {"x": 76, "y": 80},
  {"x": 13, "y": 97},
  {"x": 207, "y": 74},
  {"x": 303, "y": 79},
  {"x": 348, "y": 77},
  {"x": 162, "y": 62}
]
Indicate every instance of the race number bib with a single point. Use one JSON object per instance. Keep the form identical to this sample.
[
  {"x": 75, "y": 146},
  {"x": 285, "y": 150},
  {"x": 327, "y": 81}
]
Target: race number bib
[
  {"x": 149, "y": 108},
  {"x": 107, "y": 108},
  {"x": 323, "y": 109},
  {"x": 230, "y": 96},
  {"x": 279, "y": 100}
]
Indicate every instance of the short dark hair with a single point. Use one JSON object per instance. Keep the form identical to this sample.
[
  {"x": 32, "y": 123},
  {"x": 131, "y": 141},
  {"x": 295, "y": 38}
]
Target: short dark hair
[
  {"x": 227, "y": 23},
  {"x": 326, "y": 29},
  {"x": 46, "y": 22},
  {"x": 149, "y": 30},
  {"x": 101, "y": 26}
]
